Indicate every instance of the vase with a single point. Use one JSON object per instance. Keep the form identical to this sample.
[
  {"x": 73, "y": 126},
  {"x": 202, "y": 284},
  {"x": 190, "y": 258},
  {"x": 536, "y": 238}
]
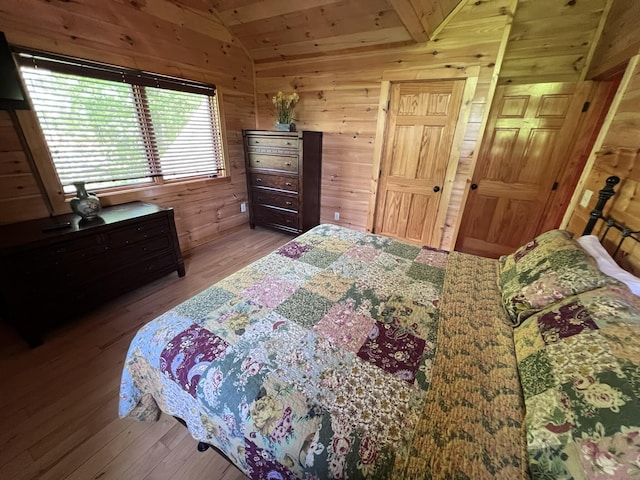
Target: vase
[
  {"x": 285, "y": 127},
  {"x": 85, "y": 204}
]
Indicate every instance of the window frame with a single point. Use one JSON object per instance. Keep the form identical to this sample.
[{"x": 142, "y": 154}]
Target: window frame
[{"x": 136, "y": 79}]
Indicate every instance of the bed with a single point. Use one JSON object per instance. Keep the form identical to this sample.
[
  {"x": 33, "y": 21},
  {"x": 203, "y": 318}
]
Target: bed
[{"x": 350, "y": 355}]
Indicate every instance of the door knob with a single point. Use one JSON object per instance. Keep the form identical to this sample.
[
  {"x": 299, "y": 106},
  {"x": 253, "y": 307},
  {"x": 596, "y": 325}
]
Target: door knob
[
  {"x": 436, "y": 189},
  {"x": 474, "y": 186}
]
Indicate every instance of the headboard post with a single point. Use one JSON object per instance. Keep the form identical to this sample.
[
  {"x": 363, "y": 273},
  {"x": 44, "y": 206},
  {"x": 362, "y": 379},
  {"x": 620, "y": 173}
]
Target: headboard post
[{"x": 605, "y": 194}]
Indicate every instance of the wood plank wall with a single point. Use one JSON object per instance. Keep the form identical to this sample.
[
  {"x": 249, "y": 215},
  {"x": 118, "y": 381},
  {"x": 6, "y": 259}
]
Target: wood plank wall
[
  {"x": 616, "y": 150},
  {"x": 155, "y": 35},
  {"x": 20, "y": 197},
  {"x": 340, "y": 96},
  {"x": 619, "y": 155},
  {"x": 620, "y": 38}
]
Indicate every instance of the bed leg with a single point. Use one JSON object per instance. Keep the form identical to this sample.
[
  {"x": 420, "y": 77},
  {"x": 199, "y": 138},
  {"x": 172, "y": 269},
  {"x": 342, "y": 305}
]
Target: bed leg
[{"x": 203, "y": 447}]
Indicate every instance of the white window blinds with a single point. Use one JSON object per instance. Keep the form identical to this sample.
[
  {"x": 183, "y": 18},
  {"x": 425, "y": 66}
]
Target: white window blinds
[{"x": 111, "y": 127}]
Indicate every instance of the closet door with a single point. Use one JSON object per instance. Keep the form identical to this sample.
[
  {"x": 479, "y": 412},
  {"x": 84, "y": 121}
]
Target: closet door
[
  {"x": 420, "y": 130},
  {"x": 530, "y": 135}
]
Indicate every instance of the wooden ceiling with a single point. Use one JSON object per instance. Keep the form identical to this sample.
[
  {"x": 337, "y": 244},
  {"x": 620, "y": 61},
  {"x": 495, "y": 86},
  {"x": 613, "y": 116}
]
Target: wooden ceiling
[
  {"x": 279, "y": 29},
  {"x": 551, "y": 40}
]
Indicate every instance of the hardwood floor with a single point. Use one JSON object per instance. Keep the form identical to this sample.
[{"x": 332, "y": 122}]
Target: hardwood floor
[{"x": 59, "y": 402}]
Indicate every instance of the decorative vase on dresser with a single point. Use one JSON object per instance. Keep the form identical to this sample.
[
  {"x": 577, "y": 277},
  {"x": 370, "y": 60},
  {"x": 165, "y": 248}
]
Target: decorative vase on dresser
[
  {"x": 283, "y": 179},
  {"x": 85, "y": 204}
]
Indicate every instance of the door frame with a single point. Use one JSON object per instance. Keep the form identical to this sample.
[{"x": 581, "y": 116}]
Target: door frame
[{"x": 470, "y": 76}]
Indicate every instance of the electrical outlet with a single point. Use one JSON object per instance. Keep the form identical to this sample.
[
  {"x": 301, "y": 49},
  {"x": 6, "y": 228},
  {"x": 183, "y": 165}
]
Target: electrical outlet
[
  {"x": 336, "y": 215},
  {"x": 243, "y": 207},
  {"x": 586, "y": 198}
]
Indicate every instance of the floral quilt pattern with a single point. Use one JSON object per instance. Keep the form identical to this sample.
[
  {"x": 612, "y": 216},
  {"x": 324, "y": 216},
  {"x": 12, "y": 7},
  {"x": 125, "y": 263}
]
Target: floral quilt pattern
[
  {"x": 313, "y": 362},
  {"x": 579, "y": 363},
  {"x": 548, "y": 269}
]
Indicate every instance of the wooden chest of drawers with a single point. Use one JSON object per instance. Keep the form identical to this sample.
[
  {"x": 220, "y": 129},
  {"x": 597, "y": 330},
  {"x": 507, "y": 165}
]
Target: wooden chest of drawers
[
  {"x": 49, "y": 276},
  {"x": 283, "y": 179}
]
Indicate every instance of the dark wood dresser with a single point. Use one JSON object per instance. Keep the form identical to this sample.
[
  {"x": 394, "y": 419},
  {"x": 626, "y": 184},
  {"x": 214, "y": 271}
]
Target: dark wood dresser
[
  {"x": 283, "y": 179},
  {"x": 48, "y": 276}
]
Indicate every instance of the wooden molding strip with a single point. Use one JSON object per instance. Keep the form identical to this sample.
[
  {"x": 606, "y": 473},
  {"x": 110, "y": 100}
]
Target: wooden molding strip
[
  {"x": 431, "y": 74},
  {"x": 378, "y": 148},
  {"x": 595, "y": 41},
  {"x": 454, "y": 158},
  {"x": 43, "y": 170},
  {"x": 448, "y": 18},
  {"x": 604, "y": 130},
  {"x": 483, "y": 124}
]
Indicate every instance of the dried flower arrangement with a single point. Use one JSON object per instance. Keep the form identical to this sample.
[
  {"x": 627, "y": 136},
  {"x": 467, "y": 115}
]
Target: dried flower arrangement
[{"x": 284, "y": 106}]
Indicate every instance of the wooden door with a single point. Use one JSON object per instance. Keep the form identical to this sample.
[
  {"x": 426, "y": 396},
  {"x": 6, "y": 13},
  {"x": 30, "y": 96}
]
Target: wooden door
[
  {"x": 529, "y": 138},
  {"x": 420, "y": 130}
]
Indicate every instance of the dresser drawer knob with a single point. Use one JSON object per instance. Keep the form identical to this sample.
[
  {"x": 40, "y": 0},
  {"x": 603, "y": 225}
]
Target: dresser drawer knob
[
  {"x": 288, "y": 164},
  {"x": 257, "y": 161},
  {"x": 289, "y": 203},
  {"x": 139, "y": 229},
  {"x": 259, "y": 180},
  {"x": 288, "y": 184},
  {"x": 288, "y": 143},
  {"x": 144, "y": 249}
]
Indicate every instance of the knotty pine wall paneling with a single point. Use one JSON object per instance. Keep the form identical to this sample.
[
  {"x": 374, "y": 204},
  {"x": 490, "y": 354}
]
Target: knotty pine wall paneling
[
  {"x": 553, "y": 41},
  {"x": 617, "y": 153},
  {"x": 155, "y": 35},
  {"x": 20, "y": 197},
  {"x": 340, "y": 96},
  {"x": 620, "y": 39}
]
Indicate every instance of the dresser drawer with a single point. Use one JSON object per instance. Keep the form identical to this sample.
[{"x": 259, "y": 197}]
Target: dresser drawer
[
  {"x": 274, "y": 162},
  {"x": 123, "y": 280},
  {"x": 274, "y": 181},
  {"x": 265, "y": 197},
  {"x": 138, "y": 233},
  {"x": 268, "y": 216},
  {"x": 139, "y": 250},
  {"x": 278, "y": 142},
  {"x": 58, "y": 253}
]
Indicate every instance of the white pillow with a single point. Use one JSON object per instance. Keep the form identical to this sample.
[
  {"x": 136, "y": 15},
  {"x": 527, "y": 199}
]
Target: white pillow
[{"x": 607, "y": 265}]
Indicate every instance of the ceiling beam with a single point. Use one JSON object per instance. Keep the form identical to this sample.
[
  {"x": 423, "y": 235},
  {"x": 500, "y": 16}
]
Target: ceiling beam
[
  {"x": 410, "y": 20},
  {"x": 450, "y": 16}
]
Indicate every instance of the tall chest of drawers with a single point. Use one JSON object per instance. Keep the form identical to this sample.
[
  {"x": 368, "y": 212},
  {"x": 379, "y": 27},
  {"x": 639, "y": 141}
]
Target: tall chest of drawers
[
  {"x": 48, "y": 276},
  {"x": 283, "y": 179}
]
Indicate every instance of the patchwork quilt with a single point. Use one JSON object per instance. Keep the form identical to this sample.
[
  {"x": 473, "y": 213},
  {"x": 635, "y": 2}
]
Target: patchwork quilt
[
  {"x": 579, "y": 361},
  {"x": 341, "y": 355}
]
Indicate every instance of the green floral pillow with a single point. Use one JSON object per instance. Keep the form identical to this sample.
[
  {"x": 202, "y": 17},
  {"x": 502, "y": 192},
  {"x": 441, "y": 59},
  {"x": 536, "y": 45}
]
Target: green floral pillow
[
  {"x": 579, "y": 365},
  {"x": 547, "y": 269}
]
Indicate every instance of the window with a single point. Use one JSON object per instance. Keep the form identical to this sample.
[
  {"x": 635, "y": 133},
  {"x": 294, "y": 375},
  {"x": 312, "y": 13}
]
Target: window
[{"x": 110, "y": 127}]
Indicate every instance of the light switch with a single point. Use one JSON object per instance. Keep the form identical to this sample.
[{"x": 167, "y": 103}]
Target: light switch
[{"x": 586, "y": 198}]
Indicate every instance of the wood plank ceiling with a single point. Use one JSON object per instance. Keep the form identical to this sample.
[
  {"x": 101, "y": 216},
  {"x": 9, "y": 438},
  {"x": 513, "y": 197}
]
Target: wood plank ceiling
[
  {"x": 284, "y": 29},
  {"x": 551, "y": 40}
]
